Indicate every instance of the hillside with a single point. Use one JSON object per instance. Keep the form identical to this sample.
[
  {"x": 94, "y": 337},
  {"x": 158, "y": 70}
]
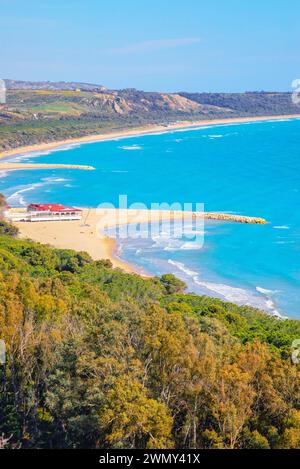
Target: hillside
[
  {"x": 45, "y": 112},
  {"x": 245, "y": 104},
  {"x": 97, "y": 358},
  {"x": 52, "y": 85}
]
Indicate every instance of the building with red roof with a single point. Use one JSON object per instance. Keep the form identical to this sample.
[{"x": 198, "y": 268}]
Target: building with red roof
[
  {"x": 52, "y": 212},
  {"x": 52, "y": 208},
  {"x": 44, "y": 212}
]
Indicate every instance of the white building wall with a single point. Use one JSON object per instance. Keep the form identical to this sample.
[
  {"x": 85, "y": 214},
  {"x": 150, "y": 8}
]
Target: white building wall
[{"x": 42, "y": 216}]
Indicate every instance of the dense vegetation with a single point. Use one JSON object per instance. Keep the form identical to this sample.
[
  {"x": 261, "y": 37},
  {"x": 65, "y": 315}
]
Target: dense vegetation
[
  {"x": 247, "y": 104},
  {"x": 100, "y": 358},
  {"x": 45, "y": 112}
]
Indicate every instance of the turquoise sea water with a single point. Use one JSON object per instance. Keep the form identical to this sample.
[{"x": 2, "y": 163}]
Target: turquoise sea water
[{"x": 250, "y": 169}]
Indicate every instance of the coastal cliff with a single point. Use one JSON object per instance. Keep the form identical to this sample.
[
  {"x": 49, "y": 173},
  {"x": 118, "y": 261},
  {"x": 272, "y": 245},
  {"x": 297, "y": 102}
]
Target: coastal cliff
[{"x": 42, "y": 112}]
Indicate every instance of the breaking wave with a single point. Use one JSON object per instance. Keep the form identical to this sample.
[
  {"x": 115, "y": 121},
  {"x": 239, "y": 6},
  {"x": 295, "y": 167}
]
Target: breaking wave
[
  {"x": 237, "y": 295},
  {"x": 17, "y": 198}
]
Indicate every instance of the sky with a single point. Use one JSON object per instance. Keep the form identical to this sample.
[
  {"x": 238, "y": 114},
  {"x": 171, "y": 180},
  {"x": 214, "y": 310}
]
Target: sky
[{"x": 165, "y": 45}]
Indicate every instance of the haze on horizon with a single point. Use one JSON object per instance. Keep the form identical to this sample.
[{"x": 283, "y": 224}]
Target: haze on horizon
[{"x": 192, "y": 46}]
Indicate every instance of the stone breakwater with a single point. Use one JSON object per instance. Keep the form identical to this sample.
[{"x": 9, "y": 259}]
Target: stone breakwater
[
  {"x": 153, "y": 215},
  {"x": 210, "y": 216},
  {"x": 235, "y": 218}
]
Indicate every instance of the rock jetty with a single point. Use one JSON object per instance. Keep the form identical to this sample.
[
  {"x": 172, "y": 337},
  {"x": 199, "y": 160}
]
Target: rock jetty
[{"x": 234, "y": 218}]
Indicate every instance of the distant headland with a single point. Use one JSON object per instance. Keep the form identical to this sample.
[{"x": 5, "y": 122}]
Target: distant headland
[{"x": 38, "y": 113}]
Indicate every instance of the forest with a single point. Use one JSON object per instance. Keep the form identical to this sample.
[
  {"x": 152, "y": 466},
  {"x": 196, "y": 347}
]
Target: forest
[{"x": 97, "y": 358}]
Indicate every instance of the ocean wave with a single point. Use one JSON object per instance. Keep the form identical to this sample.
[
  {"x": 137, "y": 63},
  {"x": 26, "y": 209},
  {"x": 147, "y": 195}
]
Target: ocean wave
[
  {"x": 54, "y": 179},
  {"x": 241, "y": 296},
  {"x": 172, "y": 244},
  {"x": 233, "y": 294},
  {"x": 17, "y": 197},
  {"x": 227, "y": 292},
  {"x": 166, "y": 244},
  {"x": 285, "y": 242},
  {"x": 131, "y": 147},
  {"x": 191, "y": 246},
  {"x": 264, "y": 291},
  {"x": 35, "y": 154},
  {"x": 183, "y": 268},
  {"x": 282, "y": 227},
  {"x": 269, "y": 301}
]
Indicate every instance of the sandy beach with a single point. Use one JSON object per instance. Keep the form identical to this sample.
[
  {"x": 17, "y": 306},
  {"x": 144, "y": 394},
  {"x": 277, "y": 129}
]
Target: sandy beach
[
  {"x": 14, "y": 166},
  {"x": 88, "y": 234},
  {"x": 143, "y": 130}
]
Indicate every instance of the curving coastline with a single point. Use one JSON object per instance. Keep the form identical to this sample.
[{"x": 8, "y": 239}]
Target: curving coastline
[
  {"x": 142, "y": 130},
  {"x": 88, "y": 234}
]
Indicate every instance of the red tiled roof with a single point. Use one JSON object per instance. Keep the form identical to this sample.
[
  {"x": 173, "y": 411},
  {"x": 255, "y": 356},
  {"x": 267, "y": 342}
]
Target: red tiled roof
[{"x": 52, "y": 208}]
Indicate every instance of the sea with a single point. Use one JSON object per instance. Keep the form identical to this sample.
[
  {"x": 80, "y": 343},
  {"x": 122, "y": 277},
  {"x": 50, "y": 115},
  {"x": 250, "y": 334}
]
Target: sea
[{"x": 248, "y": 169}]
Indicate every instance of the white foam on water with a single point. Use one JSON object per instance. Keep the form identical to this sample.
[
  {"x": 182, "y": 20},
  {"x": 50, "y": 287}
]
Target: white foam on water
[
  {"x": 282, "y": 227},
  {"x": 191, "y": 246},
  {"x": 270, "y": 302},
  {"x": 239, "y": 296},
  {"x": 233, "y": 294},
  {"x": 54, "y": 179},
  {"x": 264, "y": 291},
  {"x": 167, "y": 244},
  {"x": 35, "y": 154},
  {"x": 183, "y": 268},
  {"x": 172, "y": 244},
  {"x": 131, "y": 147},
  {"x": 17, "y": 198},
  {"x": 285, "y": 242}
]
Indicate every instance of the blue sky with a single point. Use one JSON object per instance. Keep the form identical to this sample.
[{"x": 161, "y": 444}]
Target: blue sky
[{"x": 166, "y": 45}]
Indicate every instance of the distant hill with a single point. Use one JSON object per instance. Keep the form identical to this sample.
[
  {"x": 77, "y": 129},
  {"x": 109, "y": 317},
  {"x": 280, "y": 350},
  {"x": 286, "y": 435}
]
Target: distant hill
[
  {"x": 248, "y": 103},
  {"x": 46, "y": 111},
  {"x": 49, "y": 85}
]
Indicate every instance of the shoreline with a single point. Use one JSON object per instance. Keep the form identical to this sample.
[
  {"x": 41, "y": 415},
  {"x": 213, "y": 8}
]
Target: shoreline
[
  {"x": 17, "y": 166},
  {"x": 109, "y": 245},
  {"x": 139, "y": 131},
  {"x": 88, "y": 234}
]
